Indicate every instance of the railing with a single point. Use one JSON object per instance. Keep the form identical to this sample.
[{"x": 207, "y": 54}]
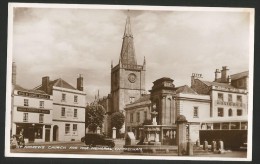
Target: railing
[{"x": 230, "y": 103}]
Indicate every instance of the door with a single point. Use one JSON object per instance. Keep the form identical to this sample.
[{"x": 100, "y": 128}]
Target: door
[
  {"x": 47, "y": 135},
  {"x": 31, "y": 134},
  {"x": 55, "y": 133}
]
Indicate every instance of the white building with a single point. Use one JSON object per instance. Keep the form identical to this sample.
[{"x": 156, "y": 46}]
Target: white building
[
  {"x": 68, "y": 108},
  {"x": 229, "y": 99},
  {"x": 32, "y": 112}
]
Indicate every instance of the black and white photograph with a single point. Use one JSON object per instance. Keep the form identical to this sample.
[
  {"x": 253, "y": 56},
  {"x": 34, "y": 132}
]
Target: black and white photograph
[{"x": 129, "y": 82}]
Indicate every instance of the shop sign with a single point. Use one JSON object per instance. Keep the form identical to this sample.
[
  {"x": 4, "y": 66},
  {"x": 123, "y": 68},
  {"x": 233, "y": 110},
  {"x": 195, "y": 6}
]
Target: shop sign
[{"x": 33, "y": 110}]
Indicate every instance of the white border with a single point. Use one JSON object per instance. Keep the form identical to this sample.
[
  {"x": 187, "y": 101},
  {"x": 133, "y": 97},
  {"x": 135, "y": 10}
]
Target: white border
[{"x": 125, "y": 7}]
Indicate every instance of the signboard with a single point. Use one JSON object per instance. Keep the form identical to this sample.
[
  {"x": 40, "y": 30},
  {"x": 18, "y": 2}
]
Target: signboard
[{"x": 33, "y": 110}]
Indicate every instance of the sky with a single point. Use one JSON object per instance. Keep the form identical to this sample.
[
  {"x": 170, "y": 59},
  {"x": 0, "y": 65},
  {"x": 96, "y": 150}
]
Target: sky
[{"x": 66, "y": 42}]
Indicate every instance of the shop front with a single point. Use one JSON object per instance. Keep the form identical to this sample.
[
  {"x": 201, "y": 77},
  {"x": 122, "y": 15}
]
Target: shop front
[{"x": 34, "y": 132}]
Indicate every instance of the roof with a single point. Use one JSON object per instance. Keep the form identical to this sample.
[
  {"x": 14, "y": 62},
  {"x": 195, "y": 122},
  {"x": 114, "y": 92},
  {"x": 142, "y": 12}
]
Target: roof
[
  {"x": 143, "y": 98},
  {"x": 57, "y": 83},
  {"x": 18, "y": 87},
  {"x": 239, "y": 75},
  {"x": 185, "y": 89},
  {"x": 225, "y": 85}
]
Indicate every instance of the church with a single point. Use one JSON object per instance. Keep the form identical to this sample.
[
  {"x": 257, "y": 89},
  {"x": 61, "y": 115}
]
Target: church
[{"x": 127, "y": 79}]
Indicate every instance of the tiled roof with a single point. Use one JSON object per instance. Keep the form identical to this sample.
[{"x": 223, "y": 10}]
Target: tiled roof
[
  {"x": 236, "y": 76},
  {"x": 185, "y": 89},
  {"x": 239, "y": 75},
  {"x": 208, "y": 83},
  {"x": 57, "y": 83},
  {"x": 143, "y": 98},
  {"x": 18, "y": 87}
]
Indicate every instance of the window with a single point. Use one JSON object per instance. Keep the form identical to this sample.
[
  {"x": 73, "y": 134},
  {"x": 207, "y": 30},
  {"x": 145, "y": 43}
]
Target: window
[
  {"x": 75, "y": 112},
  {"x": 145, "y": 115},
  {"x": 67, "y": 128},
  {"x": 26, "y": 102},
  {"x": 230, "y": 112},
  {"x": 75, "y": 98},
  {"x": 131, "y": 117},
  {"x": 229, "y": 97},
  {"x": 225, "y": 126},
  {"x": 138, "y": 116},
  {"x": 220, "y": 96},
  {"x": 75, "y": 127},
  {"x": 41, "y": 117},
  {"x": 220, "y": 112},
  {"x": 239, "y": 98},
  {"x": 244, "y": 125},
  {"x": 132, "y": 99},
  {"x": 63, "y": 97},
  {"x": 25, "y": 117},
  {"x": 216, "y": 126},
  {"x": 63, "y": 111},
  {"x": 41, "y": 104},
  {"x": 195, "y": 112},
  {"x": 239, "y": 112},
  {"x": 235, "y": 125}
]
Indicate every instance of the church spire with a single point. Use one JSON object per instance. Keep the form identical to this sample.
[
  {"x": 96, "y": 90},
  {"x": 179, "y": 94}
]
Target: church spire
[{"x": 127, "y": 55}]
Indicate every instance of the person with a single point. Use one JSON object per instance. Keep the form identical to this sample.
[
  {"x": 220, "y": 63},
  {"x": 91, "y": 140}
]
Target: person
[
  {"x": 21, "y": 139},
  {"x": 14, "y": 143}
]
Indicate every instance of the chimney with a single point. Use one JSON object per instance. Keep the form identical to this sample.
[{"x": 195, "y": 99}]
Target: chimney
[
  {"x": 45, "y": 83},
  {"x": 229, "y": 80},
  {"x": 192, "y": 79},
  {"x": 224, "y": 74},
  {"x": 80, "y": 83},
  {"x": 14, "y": 73},
  {"x": 217, "y": 74}
]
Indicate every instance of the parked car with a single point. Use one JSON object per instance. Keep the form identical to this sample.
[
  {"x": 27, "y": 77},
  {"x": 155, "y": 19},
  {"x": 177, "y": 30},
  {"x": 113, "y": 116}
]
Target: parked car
[
  {"x": 93, "y": 139},
  {"x": 83, "y": 139}
]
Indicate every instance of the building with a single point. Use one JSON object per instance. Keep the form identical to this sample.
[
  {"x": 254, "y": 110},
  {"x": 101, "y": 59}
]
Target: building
[
  {"x": 229, "y": 95},
  {"x": 32, "y": 112},
  {"x": 137, "y": 114},
  {"x": 127, "y": 78},
  {"x": 68, "y": 108},
  {"x": 169, "y": 101}
]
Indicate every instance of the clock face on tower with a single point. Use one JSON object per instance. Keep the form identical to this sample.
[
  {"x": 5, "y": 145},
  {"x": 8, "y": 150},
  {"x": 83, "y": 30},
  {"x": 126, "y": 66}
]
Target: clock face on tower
[{"x": 132, "y": 77}]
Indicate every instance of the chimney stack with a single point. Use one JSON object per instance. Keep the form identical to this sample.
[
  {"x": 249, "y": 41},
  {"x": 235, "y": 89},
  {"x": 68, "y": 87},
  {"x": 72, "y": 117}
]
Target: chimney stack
[
  {"x": 14, "y": 73},
  {"x": 224, "y": 74},
  {"x": 80, "y": 83},
  {"x": 217, "y": 74},
  {"x": 45, "y": 83},
  {"x": 229, "y": 80}
]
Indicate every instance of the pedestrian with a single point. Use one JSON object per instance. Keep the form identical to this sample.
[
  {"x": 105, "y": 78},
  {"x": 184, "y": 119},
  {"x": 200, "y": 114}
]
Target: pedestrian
[{"x": 21, "y": 142}]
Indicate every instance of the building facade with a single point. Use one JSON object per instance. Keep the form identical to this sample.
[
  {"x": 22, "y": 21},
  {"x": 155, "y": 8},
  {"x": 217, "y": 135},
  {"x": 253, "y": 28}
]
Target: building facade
[
  {"x": 127, "y": 77},
  {"x": 229, "y": 98},
  {"x": 32, "y": 112},
  {"x": 68, "y": 108},
  {"x": 169, "y": 102}
]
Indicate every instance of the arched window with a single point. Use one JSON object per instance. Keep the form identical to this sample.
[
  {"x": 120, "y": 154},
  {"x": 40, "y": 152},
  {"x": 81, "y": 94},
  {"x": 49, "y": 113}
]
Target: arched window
[{"x": 230, "y": 112}]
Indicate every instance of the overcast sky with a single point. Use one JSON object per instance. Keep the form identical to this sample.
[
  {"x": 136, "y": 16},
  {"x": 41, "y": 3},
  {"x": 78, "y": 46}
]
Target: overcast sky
[{"x": 62, "y": 43}]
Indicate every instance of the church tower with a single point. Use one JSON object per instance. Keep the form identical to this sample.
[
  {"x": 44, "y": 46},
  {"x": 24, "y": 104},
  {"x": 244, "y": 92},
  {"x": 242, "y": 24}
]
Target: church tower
[{"x": 127, "y": 78}]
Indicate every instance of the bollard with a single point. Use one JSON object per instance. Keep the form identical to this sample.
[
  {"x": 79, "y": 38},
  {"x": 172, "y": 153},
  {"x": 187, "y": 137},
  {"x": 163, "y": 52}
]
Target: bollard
[
  {"x": 189, "y": 148},
  {"x": 213, "y": 146},
  {"x": 113, "y": 132},
  {"x": 205, "y": 146},
  {"x": 198, "y": 143},
  {"x": 221, "y": 147}
]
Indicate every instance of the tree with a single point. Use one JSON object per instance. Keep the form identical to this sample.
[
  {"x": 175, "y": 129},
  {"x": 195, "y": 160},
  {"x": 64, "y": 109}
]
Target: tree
[
  {"x": 117, "y": 121},
  {"x": 94, "y": 116}
]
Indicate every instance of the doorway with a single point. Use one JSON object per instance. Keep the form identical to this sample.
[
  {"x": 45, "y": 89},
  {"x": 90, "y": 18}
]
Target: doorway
[{"x": 55, "y": 133}]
